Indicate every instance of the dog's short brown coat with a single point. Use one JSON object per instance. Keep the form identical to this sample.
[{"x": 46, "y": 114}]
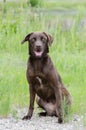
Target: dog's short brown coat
[{"x": 44, "y": 81}]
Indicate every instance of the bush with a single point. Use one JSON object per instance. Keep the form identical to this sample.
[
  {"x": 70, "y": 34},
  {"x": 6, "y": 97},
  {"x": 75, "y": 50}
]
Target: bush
[{"x": 36, "y": 3}]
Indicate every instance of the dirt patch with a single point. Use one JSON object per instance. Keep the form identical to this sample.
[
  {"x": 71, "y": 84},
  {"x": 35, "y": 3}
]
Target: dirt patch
[{"x": 39, "y": 123}]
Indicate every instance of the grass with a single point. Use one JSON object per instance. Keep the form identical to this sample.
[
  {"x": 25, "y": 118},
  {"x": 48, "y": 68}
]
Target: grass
[
  {"x": 67, "y": 52},
  {"x": 75, "y": 4}
]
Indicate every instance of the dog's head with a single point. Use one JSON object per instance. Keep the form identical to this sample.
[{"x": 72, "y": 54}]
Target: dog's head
[{"x": 39, "y": 43}]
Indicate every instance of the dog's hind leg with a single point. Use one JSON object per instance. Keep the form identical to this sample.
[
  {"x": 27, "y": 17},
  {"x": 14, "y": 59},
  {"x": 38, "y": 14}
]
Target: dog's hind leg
[{"x": 48, "y": 107}]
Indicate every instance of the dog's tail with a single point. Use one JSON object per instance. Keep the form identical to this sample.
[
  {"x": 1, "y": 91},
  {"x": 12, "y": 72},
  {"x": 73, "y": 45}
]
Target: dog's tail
[{"x": 67, "y": 95}]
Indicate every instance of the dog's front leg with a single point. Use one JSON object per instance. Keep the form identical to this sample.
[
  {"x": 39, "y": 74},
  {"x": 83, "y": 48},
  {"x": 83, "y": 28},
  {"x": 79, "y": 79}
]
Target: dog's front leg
[
  {"x": 31, "y": 106},
  {"x": 58, "y": 103}
]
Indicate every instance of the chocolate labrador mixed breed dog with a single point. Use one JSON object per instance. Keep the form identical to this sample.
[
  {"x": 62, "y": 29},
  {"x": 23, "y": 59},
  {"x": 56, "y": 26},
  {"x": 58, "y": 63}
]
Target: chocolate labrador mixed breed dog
[{"x": 44, "y": 81}]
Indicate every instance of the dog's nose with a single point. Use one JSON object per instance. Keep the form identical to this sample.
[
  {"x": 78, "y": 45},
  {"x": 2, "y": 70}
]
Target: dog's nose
[{"x": 38, "y": 46}]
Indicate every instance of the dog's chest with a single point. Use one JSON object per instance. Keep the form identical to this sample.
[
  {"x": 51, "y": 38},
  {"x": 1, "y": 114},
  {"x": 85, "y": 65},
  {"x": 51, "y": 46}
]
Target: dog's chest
[
  {"x": 40, "y": 83},
  {"x": 42, "y": 88}
]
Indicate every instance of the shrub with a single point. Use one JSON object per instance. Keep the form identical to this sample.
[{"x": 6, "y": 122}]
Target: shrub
[{"x": 36, "y": 3}]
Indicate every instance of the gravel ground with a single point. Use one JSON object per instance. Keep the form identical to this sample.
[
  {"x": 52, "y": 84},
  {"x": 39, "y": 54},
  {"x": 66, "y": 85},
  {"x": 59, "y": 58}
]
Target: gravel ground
[{"x": 39, "y": 123}]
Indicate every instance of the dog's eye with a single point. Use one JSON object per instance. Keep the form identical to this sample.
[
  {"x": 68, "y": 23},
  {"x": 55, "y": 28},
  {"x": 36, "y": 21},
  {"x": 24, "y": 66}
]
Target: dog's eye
[
  {"x": 43, "y": 39},
  {"x": 33, "y": 39}
]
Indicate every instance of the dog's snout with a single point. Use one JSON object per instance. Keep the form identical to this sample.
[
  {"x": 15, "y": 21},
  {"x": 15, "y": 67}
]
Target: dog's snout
[{"x": 38, "y": 46}]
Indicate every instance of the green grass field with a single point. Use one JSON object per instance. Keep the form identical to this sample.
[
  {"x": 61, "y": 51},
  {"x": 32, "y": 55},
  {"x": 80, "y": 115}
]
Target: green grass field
[{"x": 68, "y": 53}]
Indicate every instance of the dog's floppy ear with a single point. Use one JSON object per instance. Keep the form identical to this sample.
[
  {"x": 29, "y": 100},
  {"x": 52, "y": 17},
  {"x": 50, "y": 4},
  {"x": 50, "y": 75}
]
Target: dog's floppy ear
[
  {"x": 49, "y": 38},
  {"x": 26, "y": 38}
]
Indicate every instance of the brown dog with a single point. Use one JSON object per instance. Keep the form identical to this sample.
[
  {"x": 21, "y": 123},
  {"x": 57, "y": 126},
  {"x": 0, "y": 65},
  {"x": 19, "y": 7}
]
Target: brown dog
[{"x": 44, "y": 81}]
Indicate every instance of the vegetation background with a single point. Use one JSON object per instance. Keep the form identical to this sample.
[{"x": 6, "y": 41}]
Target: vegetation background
[{"x": 66, "y": 21}]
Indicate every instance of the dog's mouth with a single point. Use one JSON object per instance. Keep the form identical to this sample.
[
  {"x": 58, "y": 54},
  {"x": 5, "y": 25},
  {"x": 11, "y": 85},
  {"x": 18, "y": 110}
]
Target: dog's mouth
[{"x": 38, "y": 53}]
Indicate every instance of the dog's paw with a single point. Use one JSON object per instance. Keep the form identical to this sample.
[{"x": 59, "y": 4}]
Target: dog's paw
[
  {"x": 26, "y": 117},
  {"x": 60, "y": 120},
  {"x": 42, "y": 114}
]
